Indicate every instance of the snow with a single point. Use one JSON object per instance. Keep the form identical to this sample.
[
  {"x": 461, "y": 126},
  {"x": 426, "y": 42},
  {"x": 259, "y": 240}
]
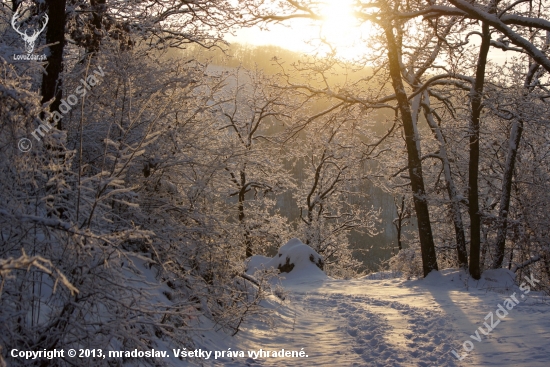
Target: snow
[
  {"x": 378, "y": 320},
  {"x": 382, "y": 321},
  {"x": 385, "y": 320},
  {"x": 294, "y": 252}
]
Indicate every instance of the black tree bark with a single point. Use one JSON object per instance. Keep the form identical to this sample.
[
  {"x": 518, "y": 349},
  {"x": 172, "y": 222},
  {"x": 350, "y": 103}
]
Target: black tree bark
[
  {"x": 429, "y": 260},
  {"x": 55, "y": 33},
  {"x": 242, "y": 193},
  {"x": 473, "y": 165}
]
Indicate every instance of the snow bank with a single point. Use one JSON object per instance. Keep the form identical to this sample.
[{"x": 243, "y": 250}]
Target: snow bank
[
  {"x": 492, "y": 279},
  {"x": 295, "y": 258}
]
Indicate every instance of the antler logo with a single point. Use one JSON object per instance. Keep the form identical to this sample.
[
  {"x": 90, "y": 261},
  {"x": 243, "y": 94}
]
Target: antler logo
[{"x": 29, "y": 40}]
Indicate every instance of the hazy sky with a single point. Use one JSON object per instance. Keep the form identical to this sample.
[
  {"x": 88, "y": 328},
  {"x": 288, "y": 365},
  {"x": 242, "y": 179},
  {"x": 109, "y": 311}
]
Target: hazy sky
[
  {"x": 340, "y": 28},
  {"x": 278, "y": 35}
]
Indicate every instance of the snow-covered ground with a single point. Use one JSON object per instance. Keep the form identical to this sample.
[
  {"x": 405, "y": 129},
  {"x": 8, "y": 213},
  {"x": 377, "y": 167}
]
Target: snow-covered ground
[
  {"x": 383, "y": 320},
  {"x": 394, "y": 322}
]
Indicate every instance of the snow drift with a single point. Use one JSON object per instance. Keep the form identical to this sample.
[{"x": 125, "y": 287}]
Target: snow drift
[{"x": 295, "y": 258}]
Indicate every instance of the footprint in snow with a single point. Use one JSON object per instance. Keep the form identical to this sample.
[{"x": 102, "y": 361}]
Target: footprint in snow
[{"x": 391, "y": 333}]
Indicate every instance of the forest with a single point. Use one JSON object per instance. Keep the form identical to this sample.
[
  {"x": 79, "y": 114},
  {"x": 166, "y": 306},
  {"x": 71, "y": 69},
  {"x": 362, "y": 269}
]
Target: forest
[{"x": 147, "y": 162}]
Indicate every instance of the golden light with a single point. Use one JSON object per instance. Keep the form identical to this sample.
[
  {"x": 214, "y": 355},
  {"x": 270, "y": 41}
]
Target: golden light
[
  {"x": 339, "y": 27},
  {"x": 338, "y": 19}
]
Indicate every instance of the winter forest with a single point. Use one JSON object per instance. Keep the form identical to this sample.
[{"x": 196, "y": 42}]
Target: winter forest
[{"x": 184, "y": 183}]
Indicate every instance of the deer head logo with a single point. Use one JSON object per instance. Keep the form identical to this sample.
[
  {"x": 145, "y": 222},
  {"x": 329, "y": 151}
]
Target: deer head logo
[{"x": 29, "y": 40}]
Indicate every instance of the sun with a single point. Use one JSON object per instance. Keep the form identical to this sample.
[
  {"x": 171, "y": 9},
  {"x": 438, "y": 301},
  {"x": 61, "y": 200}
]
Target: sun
[
  {"x": 339, "y": 27},
  {"x": 337, "y": 17},
  {"x": 338, "y": 30}
]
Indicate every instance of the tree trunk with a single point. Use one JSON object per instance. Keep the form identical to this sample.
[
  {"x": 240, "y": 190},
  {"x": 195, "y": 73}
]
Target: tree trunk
[
  {"x": 399, "y": 224},
  {"x": 473, "y": 165},
  {"x": 515, "y": 138},
  {"x": 462, "y": 254},
  {"x": 98, "y": 10},
  {"x": 429, "y": 260},
  {"x": 242, "y": 193},
  {"x": 51, "y": 80},
  {"x": 513, "y": 146}
]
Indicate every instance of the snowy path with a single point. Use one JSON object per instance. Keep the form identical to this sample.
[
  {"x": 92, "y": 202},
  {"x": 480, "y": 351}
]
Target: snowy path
[
  {"x": 358, "y": 330},
  {"x": 310, "y": 327},
  {"x": 395, "y": 322}
]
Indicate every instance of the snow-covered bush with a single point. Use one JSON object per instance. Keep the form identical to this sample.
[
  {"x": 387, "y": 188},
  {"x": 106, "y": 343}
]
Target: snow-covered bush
[
  {"x": 334, "y": 247},
  {"x": 123, "y": 203},
  {"x": 294, "y": 259},
  {"x": 330, "y": 195},
  {"x": 407, "y": 261}
]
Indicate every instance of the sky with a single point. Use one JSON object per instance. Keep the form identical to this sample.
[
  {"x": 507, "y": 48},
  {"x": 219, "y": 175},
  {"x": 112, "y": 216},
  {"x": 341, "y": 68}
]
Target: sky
[{"x": 340, "y": 28}]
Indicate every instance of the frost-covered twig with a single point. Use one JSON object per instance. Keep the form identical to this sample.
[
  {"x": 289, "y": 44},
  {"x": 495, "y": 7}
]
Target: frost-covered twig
[
  {"x": 532, "y": 260},
  {"x": 26, "y": 262}
]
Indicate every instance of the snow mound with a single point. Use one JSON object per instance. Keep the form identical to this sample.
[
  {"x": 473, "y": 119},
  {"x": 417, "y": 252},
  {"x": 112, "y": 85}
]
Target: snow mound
[
  {"x": 295, "y": 258},
  {"x": 295, "y": 254},
  {"x": 498, "y": 278},
  {"x": 492, "y": 279}
]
